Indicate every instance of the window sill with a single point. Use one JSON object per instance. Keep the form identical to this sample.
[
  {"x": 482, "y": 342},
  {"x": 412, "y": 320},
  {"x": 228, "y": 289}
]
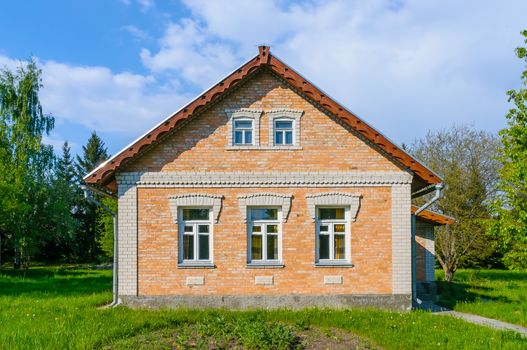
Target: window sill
[
  {"x": 334, "y": 264},
  {"x": 196, "y": 266},
  {"x": 264, "y": 148},
  {"x": 267, "y": 265}
]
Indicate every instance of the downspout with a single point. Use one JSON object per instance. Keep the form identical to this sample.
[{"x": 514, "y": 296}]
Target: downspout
[
  {"x": 88, "y": 194},
  {"x": 439, "y": 188}
]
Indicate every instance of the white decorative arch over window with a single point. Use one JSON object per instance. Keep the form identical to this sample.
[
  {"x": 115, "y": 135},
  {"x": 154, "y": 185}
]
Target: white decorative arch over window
[
  {"x": 264, "y": 200},
  {"x": 333, "y": 198},
  {"x": 244, "y": 114},
  {"x": 196, "y": 200},
  {"x": 286, "y": 114}
]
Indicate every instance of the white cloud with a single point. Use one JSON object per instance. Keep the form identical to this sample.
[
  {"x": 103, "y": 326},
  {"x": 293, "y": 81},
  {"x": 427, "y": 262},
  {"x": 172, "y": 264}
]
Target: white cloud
[
  {"x": 191, "y": 52},
  {"x": 405, "y": 66},
  {"x": 137, "y": 33},
  {"x": 146, "y": 4},
  {"x": 57, "y": 142},
  {"x": 100, "y": 99}
]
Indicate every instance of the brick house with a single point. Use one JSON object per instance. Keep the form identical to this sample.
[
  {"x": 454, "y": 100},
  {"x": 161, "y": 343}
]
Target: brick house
[{"x": 265, "y": 192}]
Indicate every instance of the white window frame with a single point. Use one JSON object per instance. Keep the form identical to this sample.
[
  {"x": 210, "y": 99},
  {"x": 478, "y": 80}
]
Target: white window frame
[
  {"x": 284, "y": 131},
  {"x": 181, "y": 232},
  {"x": 347, "y": 236},
  {"x": 293, "y": 115},
  {"x": 264, "y": 223},
  {"x": 243, "y": 131},
  {"x": 244, "y": 114}
]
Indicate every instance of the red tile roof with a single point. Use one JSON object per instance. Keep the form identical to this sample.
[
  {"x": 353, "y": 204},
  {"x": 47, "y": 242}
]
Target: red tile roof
[
  {"x": 433, "y": 217},
  {"x": 104, "y": 175}
]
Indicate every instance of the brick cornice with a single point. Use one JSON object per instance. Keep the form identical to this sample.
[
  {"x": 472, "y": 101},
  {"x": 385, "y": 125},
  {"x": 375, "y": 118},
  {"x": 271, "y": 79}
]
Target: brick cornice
[
  {"x": 196, "y": 199},
  {"x": 263, "y": 179},
  {"x": 352, "y": 200},
  {"x": 265, "y": 199}
]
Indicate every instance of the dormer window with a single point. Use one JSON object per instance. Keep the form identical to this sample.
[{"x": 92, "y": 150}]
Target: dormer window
[
  {"x": 283, "y": 132},
  {"x": 243, "y": 132}
]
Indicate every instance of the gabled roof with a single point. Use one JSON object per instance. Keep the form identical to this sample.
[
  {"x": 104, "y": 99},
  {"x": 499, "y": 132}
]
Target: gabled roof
[
  {"x": 104, "y": 175},
  {"x": 433, "y": 218}
]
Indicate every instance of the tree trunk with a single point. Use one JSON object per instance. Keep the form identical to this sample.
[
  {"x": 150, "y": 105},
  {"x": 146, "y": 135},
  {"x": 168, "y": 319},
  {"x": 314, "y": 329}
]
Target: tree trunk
[
  {"x": 16, "y": 262},
  {"x": 449, "y": 274}
]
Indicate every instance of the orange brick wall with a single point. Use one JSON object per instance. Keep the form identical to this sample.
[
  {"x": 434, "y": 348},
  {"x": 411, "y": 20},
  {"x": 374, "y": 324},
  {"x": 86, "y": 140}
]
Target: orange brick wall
[
  {"x": 371, "y": 248},
  {"x": 201, "y": 144}
]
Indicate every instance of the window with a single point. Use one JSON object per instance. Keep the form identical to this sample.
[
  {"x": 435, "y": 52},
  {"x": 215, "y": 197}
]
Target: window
[
  {"x": 243, "y": 132},
  {"x": 264, "y": 235},
  {"x": 195, "y": 235},
  {"x": 283, "y": 132},
  {"x": 332, "y": 234}
]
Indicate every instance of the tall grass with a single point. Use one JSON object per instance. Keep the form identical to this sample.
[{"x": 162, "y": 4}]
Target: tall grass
[{"x": 54, "y": 308}]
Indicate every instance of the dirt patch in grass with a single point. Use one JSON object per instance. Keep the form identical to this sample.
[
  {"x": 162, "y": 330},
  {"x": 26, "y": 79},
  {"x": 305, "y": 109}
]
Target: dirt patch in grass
[
  {"x": 331, "y": 338},
  {"x": 194, "y": 337}
]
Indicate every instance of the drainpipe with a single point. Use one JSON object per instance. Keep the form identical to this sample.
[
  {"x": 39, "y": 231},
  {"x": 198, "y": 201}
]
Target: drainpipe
[
  {"x": 439, "y": 188},
  {"x": 88, "y": 194}
]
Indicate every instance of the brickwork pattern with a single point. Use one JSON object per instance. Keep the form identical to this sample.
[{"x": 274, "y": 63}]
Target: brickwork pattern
[
  {"x": 425, "y": 251},
  {"x": 371, "y": 249},
  {"x": 331, "y": 158},
  {"x": 401, "y": 239},
  {"x": 200, "y": 145},
  {"x": 127, "y": 250}
]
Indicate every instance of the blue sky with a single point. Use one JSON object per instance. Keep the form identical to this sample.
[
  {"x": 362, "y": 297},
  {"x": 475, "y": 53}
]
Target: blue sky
[{"x": 406, "y": 67}]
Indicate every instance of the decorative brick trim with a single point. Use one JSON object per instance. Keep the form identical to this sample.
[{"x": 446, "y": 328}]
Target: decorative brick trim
[
  {"x": 265, "y": 199},
  {"x": 263, "y": 179},
  {"x": 264, "y": 280},
  {"x": 401, "y": 240},
  {"x": 292, "y": 114},
  {"x": 196, "y": 199},
  {"x": 127, "y": 216},
  {"x": 333, "y": 198},
  {"x": 195, "y": 280},
  {"x": 333, "y": 279},
  {"x": 244, "y": 113}
]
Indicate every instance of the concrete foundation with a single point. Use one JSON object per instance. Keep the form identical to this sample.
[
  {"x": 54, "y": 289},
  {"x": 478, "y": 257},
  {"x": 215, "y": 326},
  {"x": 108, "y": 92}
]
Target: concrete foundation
[{"x": 401, "y": 302}]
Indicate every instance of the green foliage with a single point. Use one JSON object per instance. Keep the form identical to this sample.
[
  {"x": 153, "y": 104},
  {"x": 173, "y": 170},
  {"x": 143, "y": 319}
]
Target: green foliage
[
  {"x": 93, "y": 154},
  {"x": 511, "y": 206},
  {"x": 105, "y": 227},
  {"x": 498, "y": 294},
  {"x": 28, "y": 210},
  {"x": 466, "y": 160},
  {"x": 87, "y": 247},
  {"x": 58, "y": 308}
]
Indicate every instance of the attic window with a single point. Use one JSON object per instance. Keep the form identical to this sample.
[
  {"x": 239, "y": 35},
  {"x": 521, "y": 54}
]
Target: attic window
[
  {"x": 283, "y": 132},
  {"x": 243, "y": 132},
  {"x": 284, "y": 128},
  {"x": 244, "y": 127}
]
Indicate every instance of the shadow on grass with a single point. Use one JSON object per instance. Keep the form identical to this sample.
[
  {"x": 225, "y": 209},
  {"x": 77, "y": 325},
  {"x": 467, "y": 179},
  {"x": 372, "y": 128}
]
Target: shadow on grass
[
  {"x": 53, "y": 282},
  {"x": 449, "y": 294}
]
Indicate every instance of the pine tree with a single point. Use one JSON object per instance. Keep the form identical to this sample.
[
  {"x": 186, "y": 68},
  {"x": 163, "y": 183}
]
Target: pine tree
[
  {"x": 65, "y": 167},
  {"x": 94, "y": 153},
  {"x": 60, "y": 242}
]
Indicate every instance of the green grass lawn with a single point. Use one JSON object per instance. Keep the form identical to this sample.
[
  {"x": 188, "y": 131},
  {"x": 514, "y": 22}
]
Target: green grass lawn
[
  {"x": 57, "y": 308},
  {"x": 491, "y": 293}
]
